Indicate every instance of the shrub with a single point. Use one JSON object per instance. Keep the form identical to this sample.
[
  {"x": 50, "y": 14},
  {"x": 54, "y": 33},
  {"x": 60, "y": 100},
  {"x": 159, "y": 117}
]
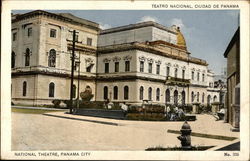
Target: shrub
[
  {"x": 202, "y": 109},
  {"x": 146, "y": 116},
  {"x": 133, "y": 109},
  {"x": 116, "y": 106},
  {"x": 208, "y": 108},
  {"x": 91, "y": 105},
  {"x": 56, "y": 103},
  {"x": 154, "y": 108},
  {"x": 67, "y": 102},
  {"x": 187, "y": 108},
  {"x": 86, "y": 95}
]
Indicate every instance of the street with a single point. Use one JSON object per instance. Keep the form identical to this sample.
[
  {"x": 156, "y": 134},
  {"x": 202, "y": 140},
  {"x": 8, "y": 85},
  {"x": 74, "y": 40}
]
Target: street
[{"x": 45, "y": 132}]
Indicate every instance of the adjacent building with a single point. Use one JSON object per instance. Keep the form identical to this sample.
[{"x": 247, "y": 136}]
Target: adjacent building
[
  {"x": 132, "y": 63},
  {"x": 232, "y": 54}
]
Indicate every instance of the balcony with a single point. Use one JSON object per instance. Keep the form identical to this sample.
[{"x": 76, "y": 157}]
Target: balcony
[
  {"x": 82, "y": 47},
  {"x": 177, "y": 81}
]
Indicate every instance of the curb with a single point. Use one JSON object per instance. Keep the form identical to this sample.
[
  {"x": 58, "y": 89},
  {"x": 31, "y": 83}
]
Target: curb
[{"x": 72, "y": 118}]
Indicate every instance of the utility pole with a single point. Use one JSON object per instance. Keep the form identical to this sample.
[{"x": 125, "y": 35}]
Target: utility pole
[
  {"x": 72, "y": 71},
  {"x": 78, "y": 85}
]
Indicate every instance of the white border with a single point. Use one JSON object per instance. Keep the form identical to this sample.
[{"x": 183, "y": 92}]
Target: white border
[{"x": 6, "y": 152}]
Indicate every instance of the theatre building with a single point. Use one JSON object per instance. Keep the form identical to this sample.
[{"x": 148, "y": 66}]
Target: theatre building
[
  {"x": 148, "y": 61},
  {"x": 133, "y": 63}
]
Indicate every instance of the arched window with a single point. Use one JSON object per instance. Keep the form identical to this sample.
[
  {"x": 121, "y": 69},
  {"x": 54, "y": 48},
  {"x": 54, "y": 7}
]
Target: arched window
[
  {"x": 203, "y": 97},
  {"x": 167, "y": 96},
  {"x": 192, "y": 75},
  {"x": 215, "y": 98},
  {"x": 52, "y": 58},
  {"x": 183, "y": 97},
  {"x": 115, "y": 93},
  {"x": 176, "y": 72},
  {"x": 158, "y": 94},
  {"x": 198, "y": 96},
  {"x": 105, "y": 92},
  {"x": 27, "y": 57},
  {"x": 149, "y": 93},
  {"x": 126, "y": 90},
  {"x": 175, "y": 97},
  {"x": 192, "y": 97},
  {"x": 24, "y": 88},
  {"x": 141, "y": 93},
  {"x": 208, "y": 99},
  {"x": 13, "y": 59},
  {"x": 51, "y": 89},
  {"x": 74, "y": 91}
]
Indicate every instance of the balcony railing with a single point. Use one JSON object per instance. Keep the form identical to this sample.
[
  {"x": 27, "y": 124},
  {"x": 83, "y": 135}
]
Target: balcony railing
[{"x": 174, "y": 80}]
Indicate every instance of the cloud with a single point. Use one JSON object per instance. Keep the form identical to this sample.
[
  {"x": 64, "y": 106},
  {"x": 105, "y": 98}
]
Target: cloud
[
  {"x": 104, "y": 26},
  {"x": 149, "y": 18},
  {"x": 178, "y": 22}
]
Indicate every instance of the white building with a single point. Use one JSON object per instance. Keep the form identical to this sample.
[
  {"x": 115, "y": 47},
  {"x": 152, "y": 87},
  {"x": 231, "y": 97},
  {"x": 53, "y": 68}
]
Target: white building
[
  {"x": 41, "y": 62},
  {"x": 144, "y": 61},
  {"x": 159, "y": 67}
]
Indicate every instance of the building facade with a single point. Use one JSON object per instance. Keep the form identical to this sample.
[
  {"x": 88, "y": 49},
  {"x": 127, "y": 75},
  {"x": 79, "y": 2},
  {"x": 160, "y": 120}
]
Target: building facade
[
  {"x": 132, "y": 63},
  {"x": 232, "y": 54},
  {"x": 41, "y": 51}
]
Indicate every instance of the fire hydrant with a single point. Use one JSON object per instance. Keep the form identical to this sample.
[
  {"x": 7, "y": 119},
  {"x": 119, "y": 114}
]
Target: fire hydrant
[{"x": 185, "y": 136}]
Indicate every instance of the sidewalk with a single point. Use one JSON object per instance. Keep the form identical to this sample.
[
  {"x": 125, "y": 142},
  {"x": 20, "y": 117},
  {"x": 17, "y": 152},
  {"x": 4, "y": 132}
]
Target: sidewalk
[{"x": 38, "y": 108}]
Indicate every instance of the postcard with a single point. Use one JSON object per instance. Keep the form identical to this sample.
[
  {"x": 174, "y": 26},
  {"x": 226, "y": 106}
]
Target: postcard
[{"x": 125, "y": 80}]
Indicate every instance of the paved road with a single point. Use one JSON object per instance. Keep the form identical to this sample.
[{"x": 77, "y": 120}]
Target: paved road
[{"x": 41, "y": 132}]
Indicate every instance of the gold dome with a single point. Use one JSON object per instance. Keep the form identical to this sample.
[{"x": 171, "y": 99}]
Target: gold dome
[{"x": 180, "y": 39}]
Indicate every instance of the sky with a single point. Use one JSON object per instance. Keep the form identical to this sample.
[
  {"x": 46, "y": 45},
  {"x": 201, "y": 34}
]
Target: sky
[{"x": 207, "y": 32}]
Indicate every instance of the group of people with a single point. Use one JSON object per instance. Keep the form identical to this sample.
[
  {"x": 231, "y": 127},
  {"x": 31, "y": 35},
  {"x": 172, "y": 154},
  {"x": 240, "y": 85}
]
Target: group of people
[{"x": 174, "y": 114}]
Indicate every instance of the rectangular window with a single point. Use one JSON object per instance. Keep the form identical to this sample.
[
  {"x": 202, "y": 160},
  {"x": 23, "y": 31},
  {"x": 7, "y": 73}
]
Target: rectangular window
[
  {"x": 127, "y": 66},
  {"x": 116, "y": 66},
  {"x": 89, "y": 41},
  {"x": 141, "y": 66},
  {"x": 150, "y": 67},
  {"x": 183, "y": 74},
  {"x": 53, "y": 33},
  {"x": 14, "y": 36},
  {"x": 106, "y": 67},
  {"x": 192, "y": 75},
  {"x": 29, "y": 32},
  {"x": 157, "y": 69},
  {"x": 168, "y": 71},
  {"x": 88, "y": 69},
  {"x": 198, "y": 76},
  {"x": 203, "y": 77}
]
